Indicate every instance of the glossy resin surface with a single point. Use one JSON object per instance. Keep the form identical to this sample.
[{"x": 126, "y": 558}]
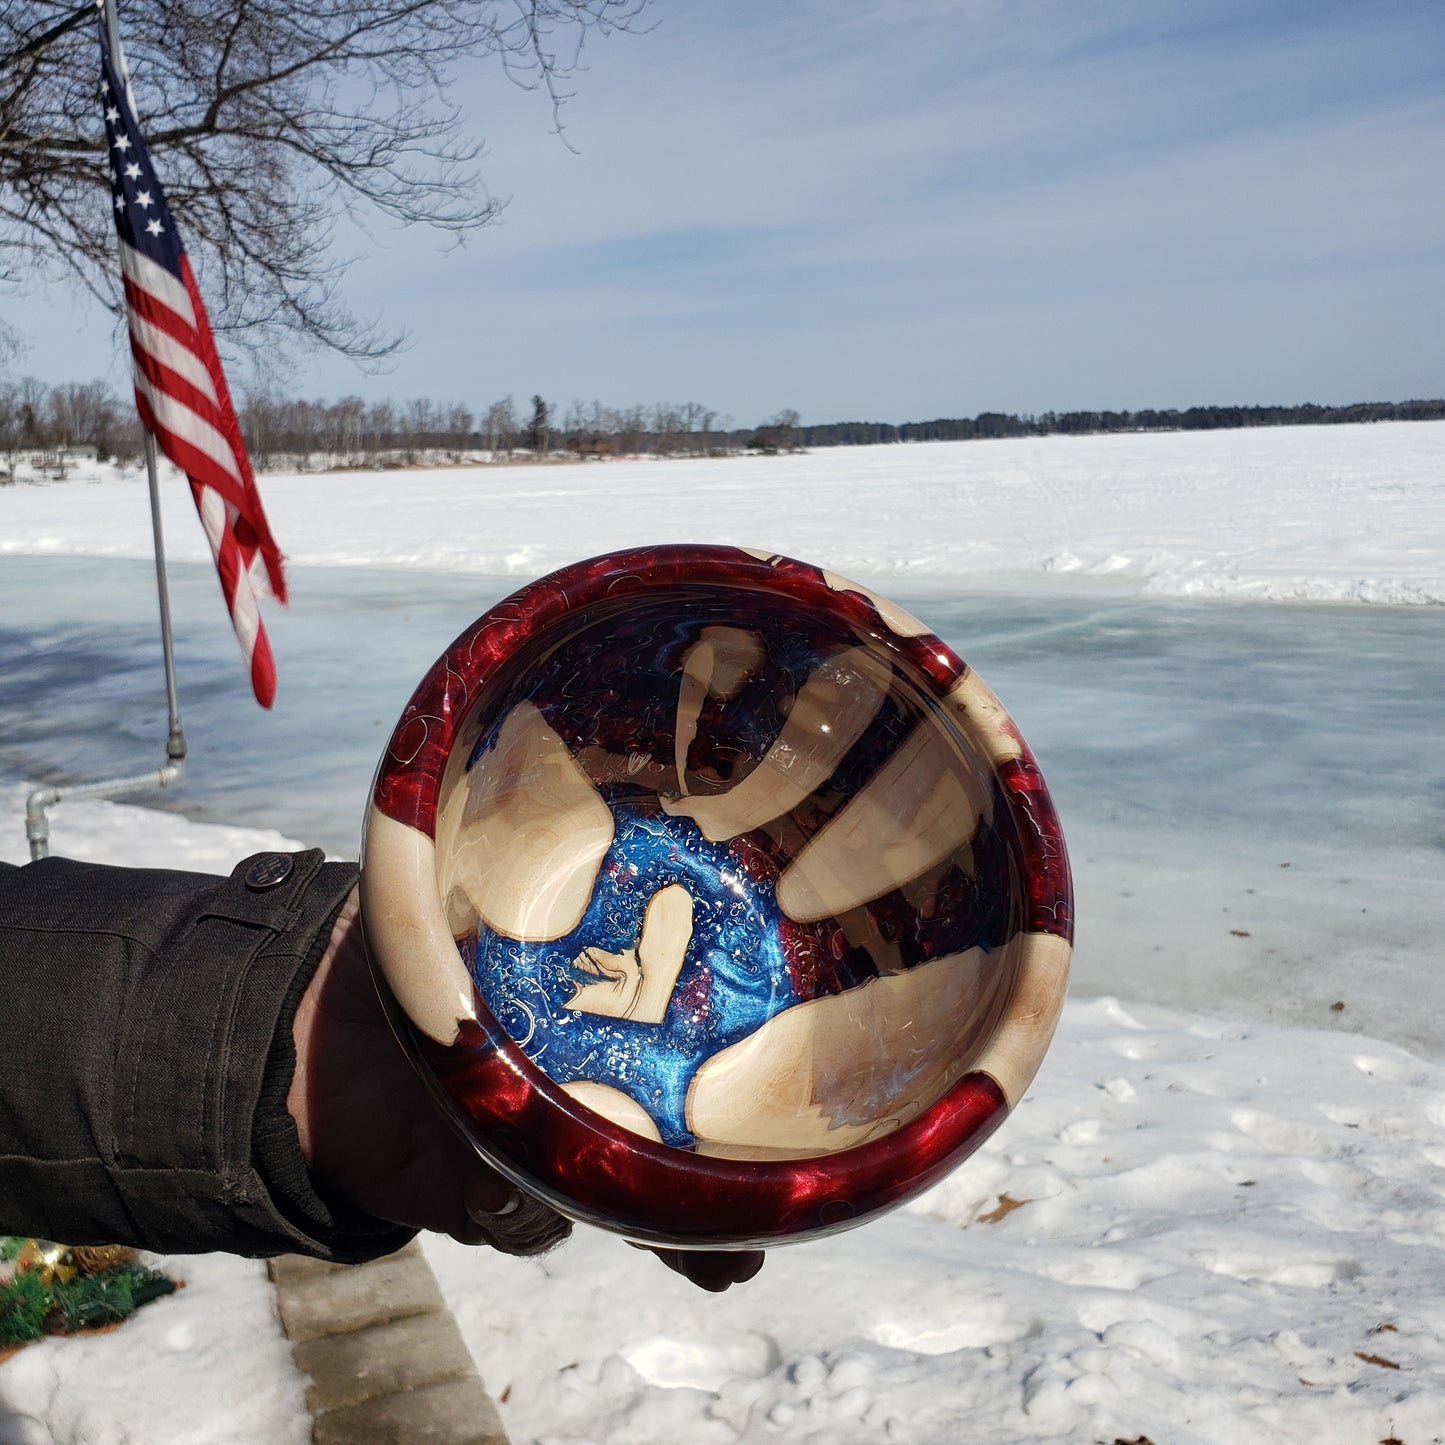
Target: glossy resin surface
[{"x": 718, "y": 900}]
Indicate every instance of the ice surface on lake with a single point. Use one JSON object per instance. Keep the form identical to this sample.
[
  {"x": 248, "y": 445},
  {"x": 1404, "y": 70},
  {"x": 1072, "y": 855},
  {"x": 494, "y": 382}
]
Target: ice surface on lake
[{"x": 1254, "y": 796}]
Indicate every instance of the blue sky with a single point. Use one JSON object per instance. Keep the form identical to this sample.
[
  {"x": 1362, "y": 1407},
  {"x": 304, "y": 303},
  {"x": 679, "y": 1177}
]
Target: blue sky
[{"x": 900, "y": 209}]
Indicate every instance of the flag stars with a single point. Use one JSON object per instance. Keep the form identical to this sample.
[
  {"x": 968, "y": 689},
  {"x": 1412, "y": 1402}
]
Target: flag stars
[
  {"x": 120, "y": 203},
  {"x": 154, "y": 227},
  {"x": 112, "y": 115},
  {"x": 132, "y": 171},
  {"x": 122, "y": 143},
  {"x": 143, "y": 200}
]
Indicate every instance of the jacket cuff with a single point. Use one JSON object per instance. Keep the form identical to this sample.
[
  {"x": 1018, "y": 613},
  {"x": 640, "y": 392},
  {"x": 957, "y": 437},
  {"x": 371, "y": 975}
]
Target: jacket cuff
[
  {"x": 149, "y": 1054},
  {"x": 335, "y": 1229}
]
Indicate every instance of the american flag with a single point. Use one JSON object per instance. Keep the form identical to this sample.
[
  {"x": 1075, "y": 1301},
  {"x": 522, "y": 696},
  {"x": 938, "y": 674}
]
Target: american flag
[{"x": 180, "y": 389}]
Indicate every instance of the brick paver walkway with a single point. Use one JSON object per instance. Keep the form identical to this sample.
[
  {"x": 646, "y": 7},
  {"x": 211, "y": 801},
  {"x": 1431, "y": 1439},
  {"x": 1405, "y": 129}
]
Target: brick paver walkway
[{"x": 386, "y": 1362}]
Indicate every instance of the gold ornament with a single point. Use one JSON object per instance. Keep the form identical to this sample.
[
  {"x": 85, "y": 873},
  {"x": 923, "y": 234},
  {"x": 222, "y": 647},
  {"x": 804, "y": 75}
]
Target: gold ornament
[
  {"x": 103, "y": 1258},
  {"x": 49, "y": 1260}
]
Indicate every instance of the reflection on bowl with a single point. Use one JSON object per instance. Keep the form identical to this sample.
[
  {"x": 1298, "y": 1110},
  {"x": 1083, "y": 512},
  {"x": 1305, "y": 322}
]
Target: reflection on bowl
[{"x": 718, "y": 902}]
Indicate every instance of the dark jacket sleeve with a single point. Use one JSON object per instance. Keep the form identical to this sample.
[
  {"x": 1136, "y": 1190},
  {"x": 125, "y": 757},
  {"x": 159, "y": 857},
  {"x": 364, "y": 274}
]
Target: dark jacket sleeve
[{"x": 146, "y": 1053}]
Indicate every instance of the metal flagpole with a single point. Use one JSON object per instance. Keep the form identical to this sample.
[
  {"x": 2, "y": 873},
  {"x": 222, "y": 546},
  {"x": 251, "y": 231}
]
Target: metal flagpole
[
  {"x": 112, "y": 29},
  {"x": 176, "y": 741},
  {"x": 37, "y": 825}
]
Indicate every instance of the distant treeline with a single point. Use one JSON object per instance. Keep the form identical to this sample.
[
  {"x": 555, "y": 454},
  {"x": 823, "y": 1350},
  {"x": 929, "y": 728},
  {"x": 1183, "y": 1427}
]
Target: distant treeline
[
  {"x": 1078, "y": 423},
  {"x": 282, "y": 431},
  {"x": 45, "y": 424}
]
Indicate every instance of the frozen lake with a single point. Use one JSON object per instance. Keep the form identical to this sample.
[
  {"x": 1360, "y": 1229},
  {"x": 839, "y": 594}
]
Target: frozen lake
[
  {"x": 1254, "y": 794},
  {"x": 1223, "y": 1231}
]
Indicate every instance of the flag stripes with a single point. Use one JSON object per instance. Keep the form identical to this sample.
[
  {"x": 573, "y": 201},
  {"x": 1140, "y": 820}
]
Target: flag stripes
[
  {"x": 180, "y": 387},
  {"x": 156, "y": 347},
  {"x": 150, "y": 279}
]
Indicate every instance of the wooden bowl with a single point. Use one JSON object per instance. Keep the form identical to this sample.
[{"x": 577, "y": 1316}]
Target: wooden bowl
[{"x": 718, "y": 902}]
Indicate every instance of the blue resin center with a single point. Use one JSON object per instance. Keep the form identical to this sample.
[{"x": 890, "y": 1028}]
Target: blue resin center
[{"x": 734, "y": 975}]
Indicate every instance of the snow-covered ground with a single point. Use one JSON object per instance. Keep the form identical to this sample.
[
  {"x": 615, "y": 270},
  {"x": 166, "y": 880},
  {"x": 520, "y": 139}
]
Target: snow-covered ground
[
  {"x": 208, "y": 1365},
  {"x": 1257, "y": 513},
  {"x": 1200, "y": 1226},
  {"x": 1191, "y": 1231}
]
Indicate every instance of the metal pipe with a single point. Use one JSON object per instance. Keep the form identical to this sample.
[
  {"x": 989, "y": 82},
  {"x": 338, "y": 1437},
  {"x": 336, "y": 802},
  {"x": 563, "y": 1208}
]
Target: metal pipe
[
  {"x": 37, "y": 825},
  {"x": 176, "y": 740}
]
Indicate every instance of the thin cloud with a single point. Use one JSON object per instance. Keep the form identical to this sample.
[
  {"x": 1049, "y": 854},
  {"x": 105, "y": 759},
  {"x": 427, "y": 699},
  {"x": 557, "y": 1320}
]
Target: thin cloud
[{"x": 912, "y": 207}]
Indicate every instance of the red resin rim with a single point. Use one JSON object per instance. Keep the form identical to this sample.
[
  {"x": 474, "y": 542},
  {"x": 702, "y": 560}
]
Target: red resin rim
[{"x": 531, "y": 1130}]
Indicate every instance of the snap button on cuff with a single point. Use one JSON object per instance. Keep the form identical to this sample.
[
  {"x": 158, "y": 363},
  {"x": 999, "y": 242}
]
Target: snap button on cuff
[{"x": 267, "y": 872}]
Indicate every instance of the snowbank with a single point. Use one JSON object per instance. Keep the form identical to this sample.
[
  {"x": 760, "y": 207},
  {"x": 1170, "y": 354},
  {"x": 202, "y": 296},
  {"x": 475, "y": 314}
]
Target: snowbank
[
  {"x": 1190, "y": 1231},
  {"x": 1331, "y": 513}
]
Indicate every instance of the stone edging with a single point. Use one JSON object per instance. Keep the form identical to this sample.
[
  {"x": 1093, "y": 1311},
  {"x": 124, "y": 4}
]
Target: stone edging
[{"x": 386, "y": 1361}]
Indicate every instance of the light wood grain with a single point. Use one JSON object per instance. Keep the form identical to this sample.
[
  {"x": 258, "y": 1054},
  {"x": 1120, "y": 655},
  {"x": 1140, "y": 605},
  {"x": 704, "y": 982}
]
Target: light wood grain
[
  {"x": 923, "y": 804},
  {"x": 406, "y": 930},
  {"x": 716, "y": 665},
  {"x": 837, "y": 1071},
  {"x": 1028, "y": 1023},
  {"x": 637, "y": 983},
  {"x": 833, "y": 707},
  {"x": 523, "y": 834},
  {"x": 612, "y": 1104}
]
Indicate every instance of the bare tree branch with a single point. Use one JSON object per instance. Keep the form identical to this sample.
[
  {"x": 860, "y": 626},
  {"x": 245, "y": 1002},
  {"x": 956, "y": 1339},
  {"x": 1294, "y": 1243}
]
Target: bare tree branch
[
  {"x": 268, "y": 120},
  {"x": 46, "y": 38}
]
